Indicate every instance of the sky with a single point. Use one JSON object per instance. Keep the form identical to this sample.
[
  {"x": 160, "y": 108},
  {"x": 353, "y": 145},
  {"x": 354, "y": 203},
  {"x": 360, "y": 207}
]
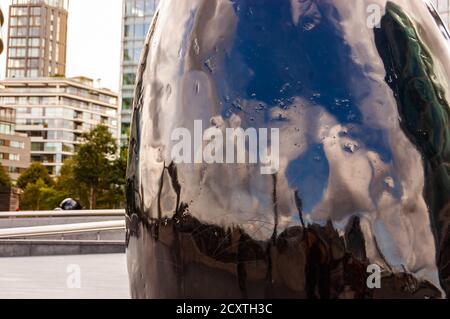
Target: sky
[{"x": 94, "y": 36}]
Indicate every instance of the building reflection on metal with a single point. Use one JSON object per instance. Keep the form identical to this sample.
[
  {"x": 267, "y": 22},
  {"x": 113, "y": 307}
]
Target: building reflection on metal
[
  {"x": 363, "y": 114},
  {"x": 443, "y": 8}
]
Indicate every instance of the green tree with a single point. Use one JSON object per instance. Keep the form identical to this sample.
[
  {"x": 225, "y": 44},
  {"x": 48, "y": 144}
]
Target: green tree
[
  {"x": 5, "y": 180},
  {"x": 66, "y": 179},
  {"x": 39, "y": 196},
  {"x": 114, "y": 197},
  {"x": 35, "y": 172},
  {"x": 93, "y": 161},
  {"x": 67, "y": 186},
  {"x": 95, "y": 176},
  {"x": 51, "y": 198},
  {"x": 32, "y": 196}
]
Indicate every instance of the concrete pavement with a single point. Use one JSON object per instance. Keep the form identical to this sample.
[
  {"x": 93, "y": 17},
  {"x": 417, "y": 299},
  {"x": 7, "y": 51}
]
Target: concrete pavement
[{"x": 99, "y": 276}]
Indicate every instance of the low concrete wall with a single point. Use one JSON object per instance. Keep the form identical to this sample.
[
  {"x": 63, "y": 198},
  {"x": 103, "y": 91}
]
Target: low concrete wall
[
  {"x": 31, "y": 222},
  {"x": 28, "y": 248},
  {"x": 117, "y": 235}
]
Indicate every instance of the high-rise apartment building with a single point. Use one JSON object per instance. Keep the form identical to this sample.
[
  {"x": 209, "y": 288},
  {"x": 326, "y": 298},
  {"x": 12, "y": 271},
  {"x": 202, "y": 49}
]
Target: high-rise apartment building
[
  {"x": 37, "y": 38},
  {"x": 54, "y": 112},
  {"x": 137, "y": 17},
  {"x": 443, "y": 7},
  {"x": 14, "y": 147}
]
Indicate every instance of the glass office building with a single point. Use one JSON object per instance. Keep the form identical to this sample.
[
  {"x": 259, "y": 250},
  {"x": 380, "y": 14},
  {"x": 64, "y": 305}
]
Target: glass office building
[
  {"x": 137, "y": 17},
  {"x": 54, "y": 112},
  {"x": 37, "y": 37}
]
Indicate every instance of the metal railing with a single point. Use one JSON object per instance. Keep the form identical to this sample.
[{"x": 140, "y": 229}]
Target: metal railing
[
  {"x": 62, "y": 214},
  {"x": 95, "y": 227}
]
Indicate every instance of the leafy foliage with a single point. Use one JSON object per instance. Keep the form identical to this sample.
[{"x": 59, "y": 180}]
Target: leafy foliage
[
  {"x": 31, "y": 196},
  {"x": 93, "y": 162},
  {"x": 5, "y": 180},
  {"x": 35, "y": 172},
  {"x": 95, "y": 176}
]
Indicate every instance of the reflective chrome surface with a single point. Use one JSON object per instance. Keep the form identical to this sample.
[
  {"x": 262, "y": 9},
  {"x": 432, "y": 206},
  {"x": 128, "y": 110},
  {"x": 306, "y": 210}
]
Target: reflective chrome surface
[{"x": 363, "y": 113}]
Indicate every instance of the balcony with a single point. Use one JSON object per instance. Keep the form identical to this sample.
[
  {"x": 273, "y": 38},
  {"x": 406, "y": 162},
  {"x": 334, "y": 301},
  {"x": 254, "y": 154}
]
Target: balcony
[{"x": 7, "y": 119}]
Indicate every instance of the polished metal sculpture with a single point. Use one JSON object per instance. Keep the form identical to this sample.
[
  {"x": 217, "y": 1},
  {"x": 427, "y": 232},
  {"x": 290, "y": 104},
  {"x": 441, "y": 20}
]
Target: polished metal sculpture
[{"x": 358, "y": 92}]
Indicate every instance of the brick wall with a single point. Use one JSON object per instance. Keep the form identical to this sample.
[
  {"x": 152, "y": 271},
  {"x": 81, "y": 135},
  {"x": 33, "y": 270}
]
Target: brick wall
[{"x": 9, "y": 199}]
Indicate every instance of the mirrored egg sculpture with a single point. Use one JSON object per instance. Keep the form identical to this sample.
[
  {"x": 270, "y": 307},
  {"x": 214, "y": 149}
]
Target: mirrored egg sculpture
[
  {"x": 291, "y": 149},
  {"x": 70, "y": 204}
]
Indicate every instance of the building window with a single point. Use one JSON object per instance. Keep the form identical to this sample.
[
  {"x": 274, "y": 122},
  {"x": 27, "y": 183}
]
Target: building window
[
  {"x": 6, "y": 129},
  {"x": 127, "y": 103},
  {"x": 19, "y": 11},
  {"x": 33, "y": 73},
  {"x": 16, "y": 63},
  {"x": 125, "y": 129},
  {"x": 33, "y": 63},
  {"x": 17, "y": 42},
  {"x": 128, "y": 30},
  {"x": 136, "y": 55},
  {"x": 127, "y": 54},
  {"x": 53, "y": 112},
  {"x": 13, "y": 21},
  {"x": 33, "y": 52},
  {"x": 14, "y": 170},
  {"x": 140, "y": 30},
  {"x": 14, "y": 157},
  {"x": 129, "y": 78},
  {"x": 35, "y": 31},
  {"x": 16, "y": 73},
  {"x": 35, "y": 21},
  {"x": 17, "y": 53},
  {"x": 34, "y": 42},
  {"x": 17, "y": 144},
  {"x": 46, "y": 147},
  {"x": 36, "y": 11}
]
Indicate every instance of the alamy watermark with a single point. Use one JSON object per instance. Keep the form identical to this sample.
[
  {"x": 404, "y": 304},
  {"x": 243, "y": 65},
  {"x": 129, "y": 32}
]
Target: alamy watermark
[
  {"x": 374, "y": 279},
  {"x": 374, "y": 13},
  {"x": 217, "y": 145},
  {"x": 73, "y": 280}
]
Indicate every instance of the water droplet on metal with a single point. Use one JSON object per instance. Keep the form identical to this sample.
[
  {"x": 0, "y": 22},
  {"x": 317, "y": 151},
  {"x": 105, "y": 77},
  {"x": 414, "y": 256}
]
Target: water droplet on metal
[
  {"x": 389, "y": 181},
  {"x": 197, "y": 87},
  {"x": 308, "y": 26},
  {"x": 237, "y": 104},
  {"x": 196, "y": 46},
  {"x": 350, "y": 147},
  {"x": 285, "y": 87},
  {"x": 210, "y": 65}
]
